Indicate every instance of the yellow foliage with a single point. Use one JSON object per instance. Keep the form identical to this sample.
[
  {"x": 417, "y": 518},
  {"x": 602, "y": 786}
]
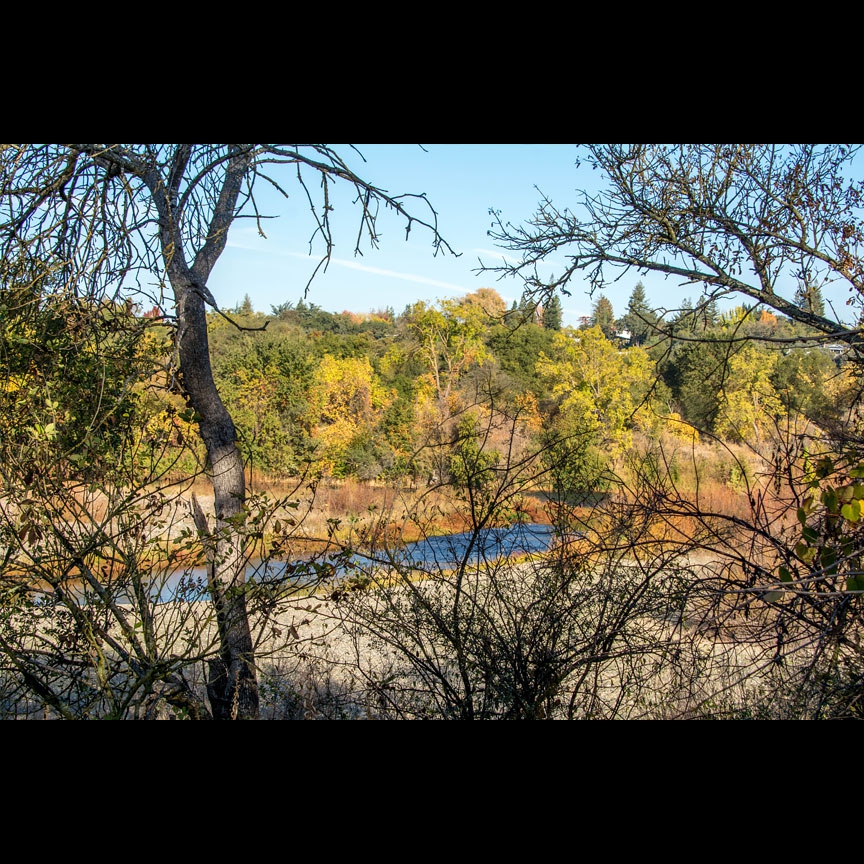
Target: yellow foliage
[
  {"x": 529, "y": 412},
  {"x": 599, "y": 387},
  {"x": 348, "y": 389},
  {"x": 678, "y": 429},
  {"x": 14, "y": 383},
  {"x": 749, "y": 404},
  {"x": 348, "y": 399}
]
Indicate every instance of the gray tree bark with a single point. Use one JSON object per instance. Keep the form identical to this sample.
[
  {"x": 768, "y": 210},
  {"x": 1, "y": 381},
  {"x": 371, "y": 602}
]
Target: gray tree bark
[{"x": 232, "y": 685}]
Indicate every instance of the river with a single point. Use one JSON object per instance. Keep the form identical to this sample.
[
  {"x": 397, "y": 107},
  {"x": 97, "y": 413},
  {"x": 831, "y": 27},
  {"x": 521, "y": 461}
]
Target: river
[{"x": 434, "y": 553}]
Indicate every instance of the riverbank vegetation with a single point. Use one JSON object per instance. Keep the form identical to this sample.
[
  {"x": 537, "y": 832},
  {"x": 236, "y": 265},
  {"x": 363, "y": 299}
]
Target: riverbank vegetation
[{"x": 701, "y": 467}]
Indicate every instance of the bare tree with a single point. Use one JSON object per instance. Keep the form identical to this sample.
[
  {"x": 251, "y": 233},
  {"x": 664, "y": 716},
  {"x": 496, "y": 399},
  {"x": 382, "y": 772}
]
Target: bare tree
[
  {"x": 756, "y": 220},
  {"x": 151, "y": 221},
  {"x": 766, "y": 223}
]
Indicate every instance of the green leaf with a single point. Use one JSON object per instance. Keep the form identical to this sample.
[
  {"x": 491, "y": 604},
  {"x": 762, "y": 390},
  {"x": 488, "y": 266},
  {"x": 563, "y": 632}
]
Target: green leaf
[
  {"x": 805, "y": 553},
  {"x": 824, "y": 467},
  {"x": 773, "y": 596},
  {"x": 785, "y": 575},
  {"x": 810, "y": 534},
  {"x": 851, "y": 512},
  {"x": 845, "y": 494},
  {"x": 830, "y": 500}
]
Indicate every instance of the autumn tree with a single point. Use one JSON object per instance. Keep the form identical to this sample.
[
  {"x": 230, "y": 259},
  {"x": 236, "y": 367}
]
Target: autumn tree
[
  {"x": 750, "y": 408},
  {"x": 488, "y": 301},
  {"x": 150, "y": 222},
  {"x": 599, "y": 391},
  {"x": 448, "y": 339},
  {"x": 348, "y": 402}
]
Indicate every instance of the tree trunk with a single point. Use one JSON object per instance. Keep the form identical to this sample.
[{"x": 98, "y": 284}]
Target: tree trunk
[{"x": 232, "y": 686}]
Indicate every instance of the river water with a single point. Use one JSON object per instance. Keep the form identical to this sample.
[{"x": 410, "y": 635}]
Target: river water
[{"x": 434, "y": 553}]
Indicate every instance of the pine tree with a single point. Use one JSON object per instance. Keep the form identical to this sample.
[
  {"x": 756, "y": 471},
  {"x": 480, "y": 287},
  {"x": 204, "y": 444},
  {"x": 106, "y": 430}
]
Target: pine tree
[
  {"x": 809, "y": 298},
  {"x": 639, "y": 320},
  {"x": 603, "y": 316},
  {"x": 552, "y": 314},
  {"x": 707, "y": 313},
  {"x": 511, "y": 316},
  {"x": 528, "y": 311},
  {"x": 684, "y": 319}
]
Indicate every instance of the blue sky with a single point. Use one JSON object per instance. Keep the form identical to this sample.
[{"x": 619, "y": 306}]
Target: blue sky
[{"x": 462, "y": 182}]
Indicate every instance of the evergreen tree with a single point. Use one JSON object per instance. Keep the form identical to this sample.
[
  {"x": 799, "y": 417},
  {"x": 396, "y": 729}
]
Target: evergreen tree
[
  {"x": 684, "y": 319},
  {"x": 640, "y": 319},
  {"x": 511, "y": 316},
  {"x": 528, "y": 311},
  {"x": 603, "y": 316},
  {"x": 707, "y": 315},
  {"x": 552, "y": 314},
  {"x": 809, "y": 298},
  {"x": 282, "y": 310}
]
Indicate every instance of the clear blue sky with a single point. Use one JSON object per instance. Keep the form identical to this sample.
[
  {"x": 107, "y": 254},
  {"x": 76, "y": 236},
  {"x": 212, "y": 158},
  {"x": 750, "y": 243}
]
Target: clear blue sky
[{"x": 462, "y": 182}]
